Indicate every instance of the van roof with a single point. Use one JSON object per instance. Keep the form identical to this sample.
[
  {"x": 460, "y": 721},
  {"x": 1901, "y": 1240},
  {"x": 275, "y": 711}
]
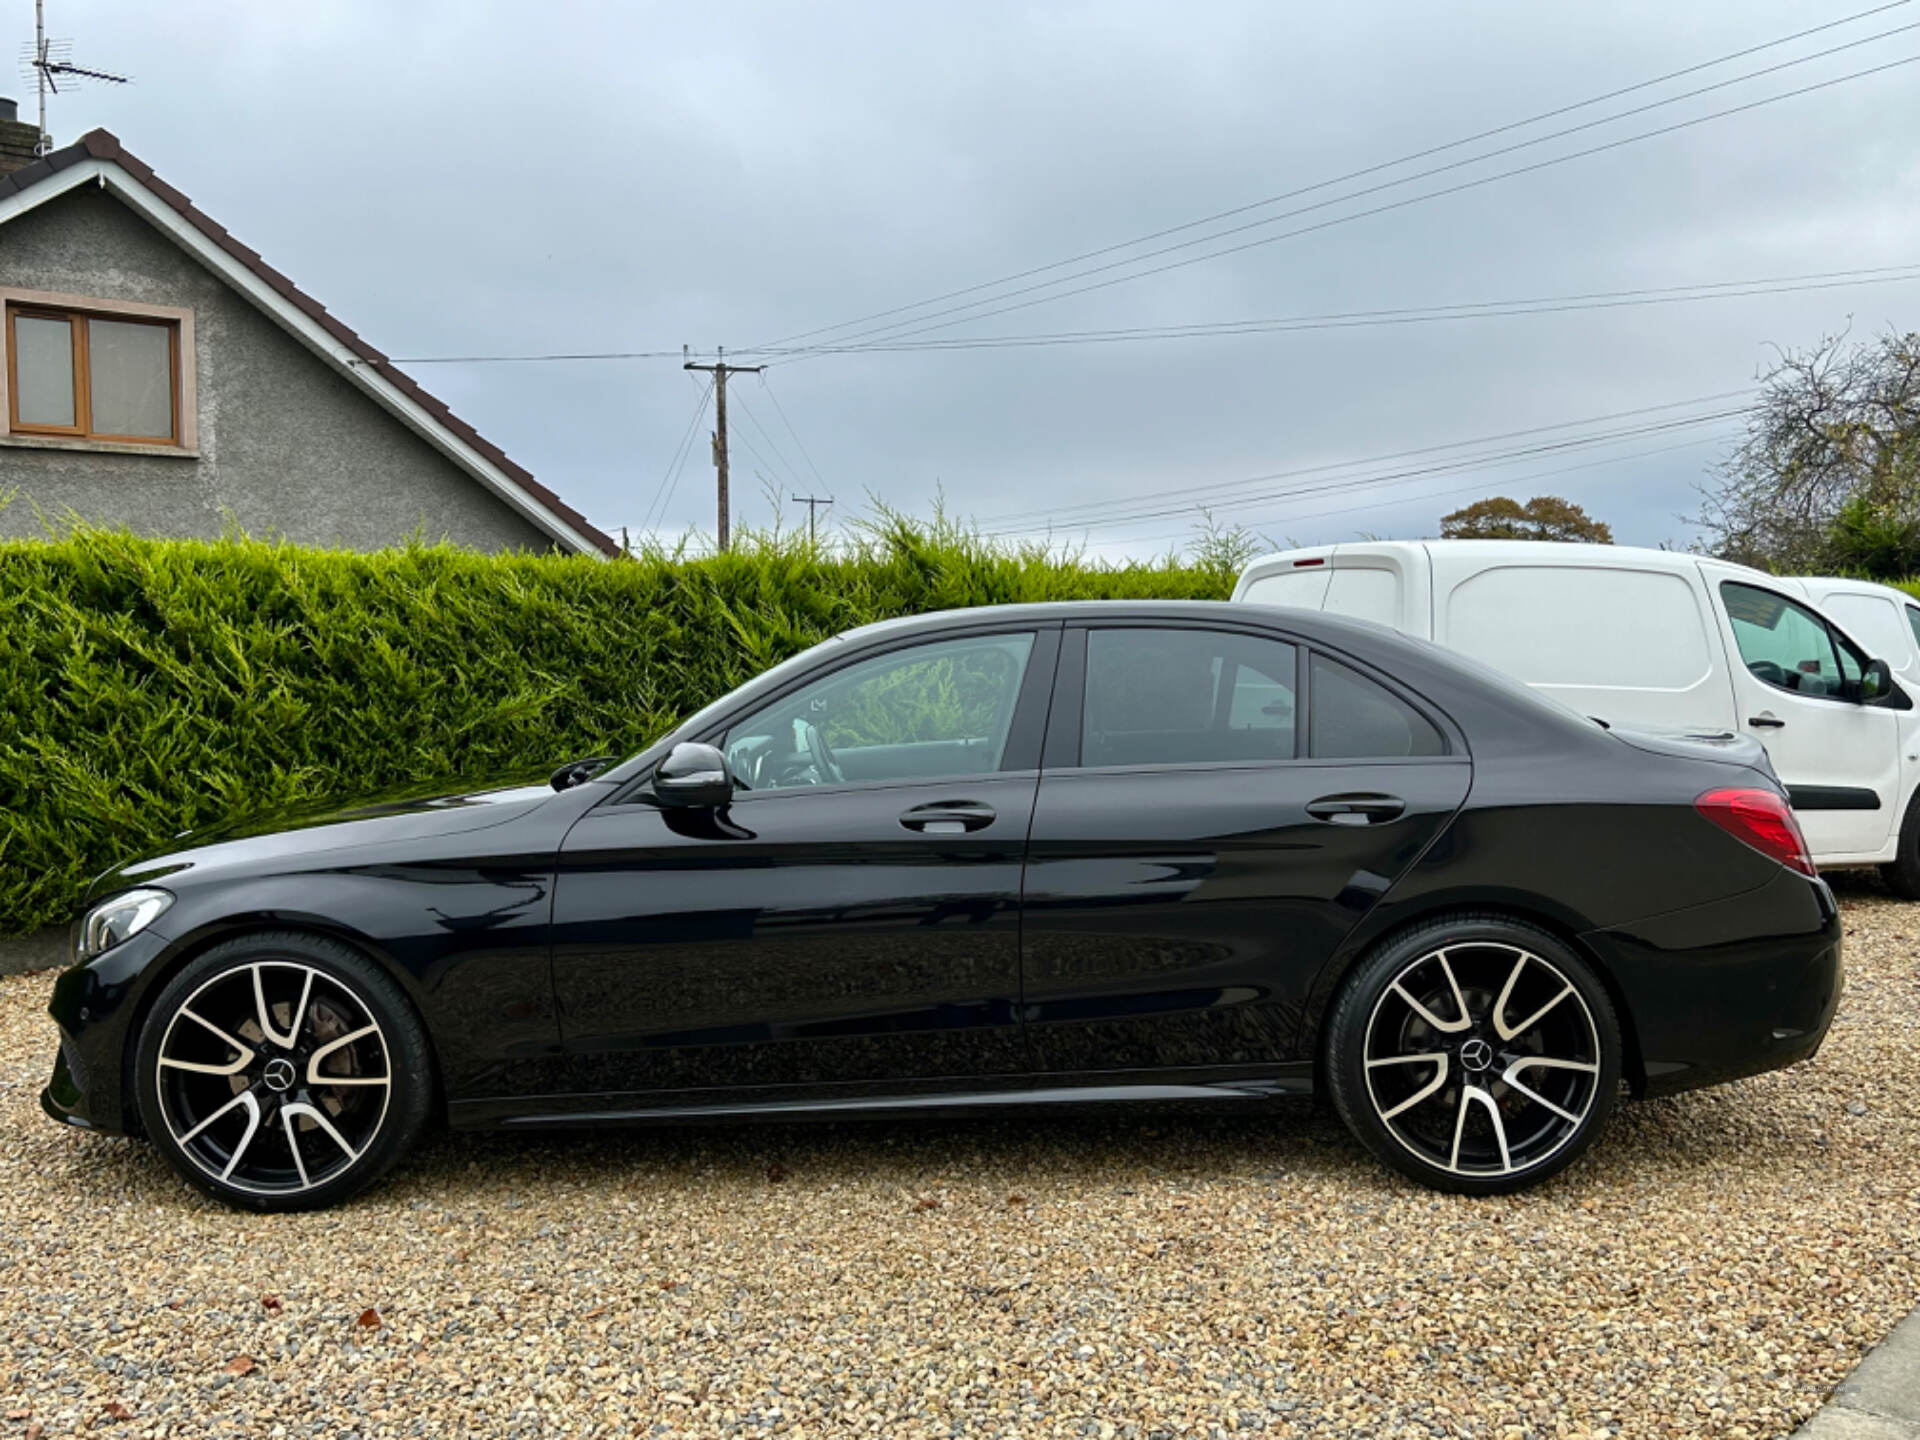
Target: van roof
[{"x": 1539, "y": 551}]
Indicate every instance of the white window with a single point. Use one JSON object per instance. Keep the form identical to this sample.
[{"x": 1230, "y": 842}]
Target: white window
[{"x": 1582, "y": 626}]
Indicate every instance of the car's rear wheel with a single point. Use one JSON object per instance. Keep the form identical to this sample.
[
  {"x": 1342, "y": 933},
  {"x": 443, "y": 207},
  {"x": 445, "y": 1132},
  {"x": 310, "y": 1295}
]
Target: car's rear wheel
[
  {"x": 282, "y": 1072},
  {"x": 1474, "y": 1053}
]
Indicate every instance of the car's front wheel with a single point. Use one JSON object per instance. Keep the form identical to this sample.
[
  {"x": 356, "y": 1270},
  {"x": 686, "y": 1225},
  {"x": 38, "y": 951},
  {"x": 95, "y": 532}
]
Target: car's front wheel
[
  {"x": 282, "y": 1072},
  {"x": 1474, "y": 1053}
]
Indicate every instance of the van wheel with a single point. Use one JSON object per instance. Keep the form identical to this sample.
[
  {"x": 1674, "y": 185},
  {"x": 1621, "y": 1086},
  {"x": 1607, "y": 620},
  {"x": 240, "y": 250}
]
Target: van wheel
[{"x": 1903, "y": 875}]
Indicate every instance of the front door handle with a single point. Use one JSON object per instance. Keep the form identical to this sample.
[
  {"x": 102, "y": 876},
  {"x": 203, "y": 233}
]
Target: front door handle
[
  {"x": 1766, "y": 722},
  {"x": 1357, "y": 809},
  {"x": 948, "y": 817}
]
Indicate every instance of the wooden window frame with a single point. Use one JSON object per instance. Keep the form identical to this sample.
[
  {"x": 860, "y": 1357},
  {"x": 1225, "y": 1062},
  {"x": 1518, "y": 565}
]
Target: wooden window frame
[{"x": 77, "y": 311}]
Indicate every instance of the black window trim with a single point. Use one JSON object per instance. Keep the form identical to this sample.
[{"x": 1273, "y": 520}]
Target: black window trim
[
  {"x": 1023, "y": 735},
  {"x": 1067, "y": 721}
]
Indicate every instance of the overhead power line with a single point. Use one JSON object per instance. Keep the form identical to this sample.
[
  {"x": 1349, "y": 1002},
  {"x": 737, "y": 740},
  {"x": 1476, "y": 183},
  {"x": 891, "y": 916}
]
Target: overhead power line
[
  {"x": 972, "y": 310},
  {"x": 781, "y": 410},
  {"x": 670, "y": 477},
  {"x": 1361, "y": 173},
  {"x": 1478, "y": 487},
  {"x": 1361, "y": 319},
  {"x": 1495, "y": 458},
  {"x": 1209, "y": 493},
  {"x": 1261, "y": 325}
]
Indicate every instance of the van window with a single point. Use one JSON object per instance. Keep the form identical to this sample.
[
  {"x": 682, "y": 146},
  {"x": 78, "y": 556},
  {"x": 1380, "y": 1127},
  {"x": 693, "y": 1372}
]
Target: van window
[
  {"x": 1180, "y": 696},
  {"x": 1913, "y": 623},
  {"x": 1304, "y": 588},
  {"x": 1581, "y": 625},
  {"x": 1355, "y": 719},
  {"x": 1365, "y": 595},
  {"x": 1786, "y": 645},
  {"x": 1874, "y": 622}
]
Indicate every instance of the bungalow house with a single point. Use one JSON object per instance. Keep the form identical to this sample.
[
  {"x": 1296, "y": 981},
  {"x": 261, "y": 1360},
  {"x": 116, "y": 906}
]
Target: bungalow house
[{"x": 162, "y": 376}]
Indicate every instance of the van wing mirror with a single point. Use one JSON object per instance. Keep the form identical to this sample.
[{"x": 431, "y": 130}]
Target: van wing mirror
[{"x": 1876, "y": 682}]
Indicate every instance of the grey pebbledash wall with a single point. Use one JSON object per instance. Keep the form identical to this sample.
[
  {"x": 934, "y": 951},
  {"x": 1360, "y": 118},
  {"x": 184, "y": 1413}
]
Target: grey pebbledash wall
[{"x": 286, "y": 446}]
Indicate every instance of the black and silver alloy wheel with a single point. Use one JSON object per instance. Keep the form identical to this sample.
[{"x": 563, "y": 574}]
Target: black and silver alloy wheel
[
  {"x": 278, "y": 1072},
  {"x": 1475, "y": 1055}
]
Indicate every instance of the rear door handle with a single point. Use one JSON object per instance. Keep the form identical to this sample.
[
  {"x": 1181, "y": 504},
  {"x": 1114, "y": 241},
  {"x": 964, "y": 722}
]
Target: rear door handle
[
  {"x": 1357, "y": 809},
  {"x": 948, "y": 817},
  {"x": 1766, "y": 722}
]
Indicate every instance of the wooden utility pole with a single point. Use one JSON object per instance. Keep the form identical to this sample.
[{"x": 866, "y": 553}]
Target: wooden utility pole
[
  {"x": 811, "y": 502},
  {"x": 720, "y": 370}
]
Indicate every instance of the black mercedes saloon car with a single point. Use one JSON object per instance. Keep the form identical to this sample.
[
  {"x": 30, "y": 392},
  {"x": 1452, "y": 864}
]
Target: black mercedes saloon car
[{"x": 1039, "y": 855}]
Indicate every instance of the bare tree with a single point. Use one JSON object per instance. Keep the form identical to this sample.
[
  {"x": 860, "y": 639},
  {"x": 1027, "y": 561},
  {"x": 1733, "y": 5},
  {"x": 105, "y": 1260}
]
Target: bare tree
[{"x": 1835, "y": 425}]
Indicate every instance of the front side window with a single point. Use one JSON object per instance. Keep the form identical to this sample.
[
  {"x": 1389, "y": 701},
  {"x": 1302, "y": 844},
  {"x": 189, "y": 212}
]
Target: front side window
[
  {"x": 97, "y": 377},
  {"x": 1179, "y": 696},
  {"x": 1356, "y": 719},
  {"x": 1913, "y": 623},
  {"x": 1786, "y": 645},
  {"x": 923, "y": 713}
]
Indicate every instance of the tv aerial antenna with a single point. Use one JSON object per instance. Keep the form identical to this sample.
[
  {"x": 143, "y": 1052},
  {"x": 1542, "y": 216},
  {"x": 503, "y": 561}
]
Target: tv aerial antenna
[{"x": 50, "y": 65}]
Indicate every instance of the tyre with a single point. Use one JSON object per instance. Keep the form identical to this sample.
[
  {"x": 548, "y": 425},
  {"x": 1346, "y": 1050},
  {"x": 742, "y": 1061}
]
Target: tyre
[
  {"x": 1903, "y": 875},
  {"x": 282, "y": 1072},
  {"x": 1474, "y": 1053}
]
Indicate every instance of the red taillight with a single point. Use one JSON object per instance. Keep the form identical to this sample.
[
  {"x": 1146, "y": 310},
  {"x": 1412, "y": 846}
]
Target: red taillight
[{"x": 1763, "y": 820}]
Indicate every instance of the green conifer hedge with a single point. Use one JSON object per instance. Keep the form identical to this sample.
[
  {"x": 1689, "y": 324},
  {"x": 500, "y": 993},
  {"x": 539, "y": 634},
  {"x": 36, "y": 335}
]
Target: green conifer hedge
[{"x": 150, "y": 686}]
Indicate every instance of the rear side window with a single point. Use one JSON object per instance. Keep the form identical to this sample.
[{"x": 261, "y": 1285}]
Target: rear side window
[
  {"x": 1582, "y": 626},
  {"x": 1355, "y": 719},
  {"x": 1913, "y": 624},
  {"x": 1179, "y": 696},
  {"x": 1785, "y": 644}
]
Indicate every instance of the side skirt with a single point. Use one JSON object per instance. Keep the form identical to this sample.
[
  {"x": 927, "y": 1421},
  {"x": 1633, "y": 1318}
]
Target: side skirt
[{"x": 553, "y": 1111}]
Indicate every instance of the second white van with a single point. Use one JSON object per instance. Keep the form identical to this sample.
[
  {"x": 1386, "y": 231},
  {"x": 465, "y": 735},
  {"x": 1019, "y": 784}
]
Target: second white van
[{"x": 1654, "y": 640}]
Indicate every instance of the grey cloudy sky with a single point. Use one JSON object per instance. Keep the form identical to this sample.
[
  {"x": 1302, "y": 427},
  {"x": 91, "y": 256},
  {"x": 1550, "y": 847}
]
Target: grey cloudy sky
[{"x": 459, "y": 178}]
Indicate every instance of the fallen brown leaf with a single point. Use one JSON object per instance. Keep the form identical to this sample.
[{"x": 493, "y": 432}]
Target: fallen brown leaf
[
  {"x": 927, "y": 1202},
  {"x": 370, "y": 1319},
  {"x": 272, "y": 1304},
  {"x": 241, "y": 1365},
  {"x": 116, "y": 1411},
  {"x": 595, "y": 1313}
]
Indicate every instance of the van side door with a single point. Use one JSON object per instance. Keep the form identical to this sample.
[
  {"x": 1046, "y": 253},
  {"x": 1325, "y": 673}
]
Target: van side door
[{"x": 1796, "y": 685}]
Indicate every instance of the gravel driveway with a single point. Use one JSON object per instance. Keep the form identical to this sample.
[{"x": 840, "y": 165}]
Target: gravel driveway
[{"x": 1713, "y": 1268}]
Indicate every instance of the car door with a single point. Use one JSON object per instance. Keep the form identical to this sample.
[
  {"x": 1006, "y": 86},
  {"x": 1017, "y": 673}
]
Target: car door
[
  {"x": 852, "y": 916},
  {"x": 1218, "y": 808},
  {"x": 1796, "y": 687}
]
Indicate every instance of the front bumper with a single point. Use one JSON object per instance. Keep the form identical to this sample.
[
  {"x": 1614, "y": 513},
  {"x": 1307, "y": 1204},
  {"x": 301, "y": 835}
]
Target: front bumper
[
  {"x": 1734, "y": 988},
  {"x": 93, "y": 1004}
]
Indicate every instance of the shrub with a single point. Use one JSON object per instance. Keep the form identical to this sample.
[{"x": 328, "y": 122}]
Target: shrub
[{"x": 152, "y": 686}]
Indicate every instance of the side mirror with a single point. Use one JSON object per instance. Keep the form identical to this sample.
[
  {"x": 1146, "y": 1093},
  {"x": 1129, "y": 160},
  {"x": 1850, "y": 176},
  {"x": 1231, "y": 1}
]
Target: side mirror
[
  {"x": 1876, "y": 682},
  {"x": 694, "y": 777}
]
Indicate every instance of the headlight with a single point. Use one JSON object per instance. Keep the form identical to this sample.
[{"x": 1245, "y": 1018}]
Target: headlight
[{"x": 120, "y": 918}]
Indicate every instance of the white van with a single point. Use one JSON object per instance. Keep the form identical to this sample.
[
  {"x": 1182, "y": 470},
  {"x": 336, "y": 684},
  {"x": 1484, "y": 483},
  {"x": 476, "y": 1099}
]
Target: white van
[
  {"x": 1885, "y": 620},
  {"x": 1653, "y": 640}
]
